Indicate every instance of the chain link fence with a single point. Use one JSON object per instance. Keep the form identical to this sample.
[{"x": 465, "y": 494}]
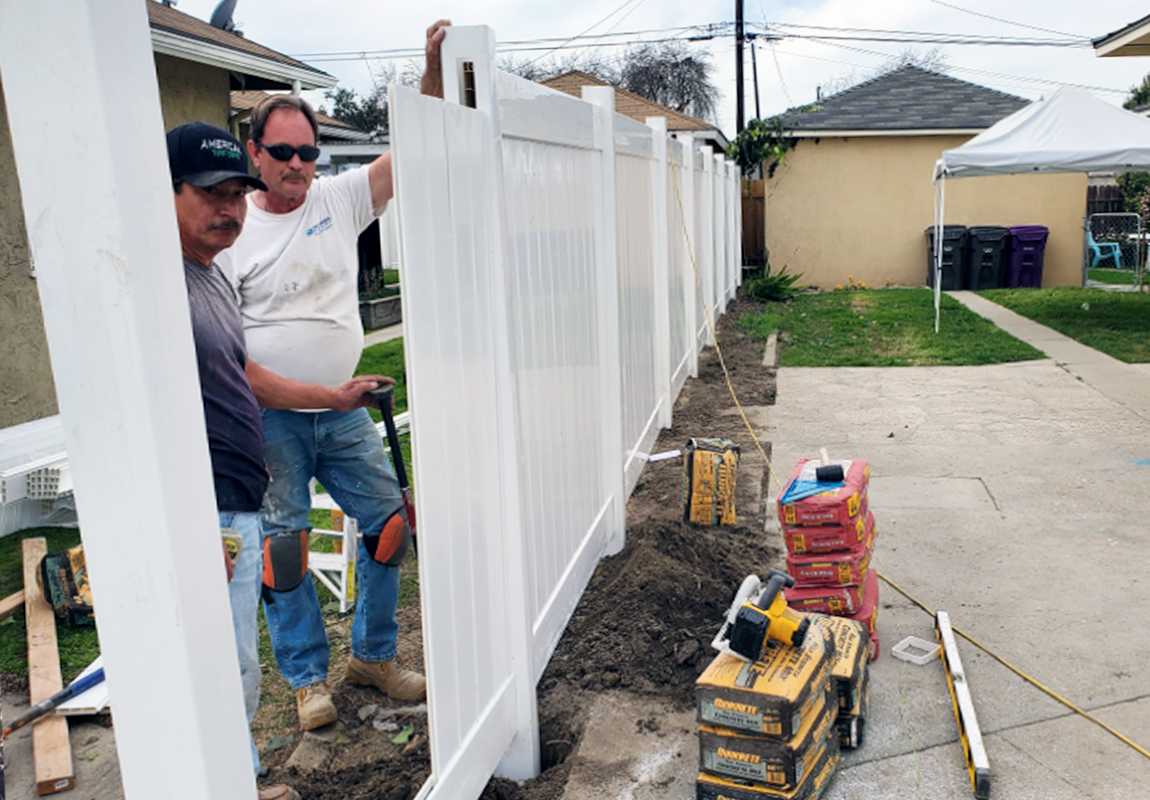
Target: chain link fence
[{"x": 1115, "y": 251}]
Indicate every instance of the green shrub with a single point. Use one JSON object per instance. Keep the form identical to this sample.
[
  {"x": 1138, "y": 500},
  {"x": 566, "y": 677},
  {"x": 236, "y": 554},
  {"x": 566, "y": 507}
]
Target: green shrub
[{"x": 777, "y": 288}]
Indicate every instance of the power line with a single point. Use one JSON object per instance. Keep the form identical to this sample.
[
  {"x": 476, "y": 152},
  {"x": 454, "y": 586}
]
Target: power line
[
  {"x": 596, "y": 25},
  {"x": 999, "y": 75},
  {"x": 914, "y": 37},
  {"x": 1006, "y": 21}
]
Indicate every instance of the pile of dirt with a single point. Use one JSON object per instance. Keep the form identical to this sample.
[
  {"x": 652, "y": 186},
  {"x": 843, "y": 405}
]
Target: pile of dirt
[{"x": 644, "y": 624}]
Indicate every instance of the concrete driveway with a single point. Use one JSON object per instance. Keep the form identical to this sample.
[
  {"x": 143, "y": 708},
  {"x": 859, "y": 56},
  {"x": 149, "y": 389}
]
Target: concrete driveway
[{"x": 1016, "y": 498}]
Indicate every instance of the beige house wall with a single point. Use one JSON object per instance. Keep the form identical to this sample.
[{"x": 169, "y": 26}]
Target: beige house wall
[
  {"x": 189, "y": 92},
  {"x": 859, "y": 207},
  {"x": 27, "y": 391}
]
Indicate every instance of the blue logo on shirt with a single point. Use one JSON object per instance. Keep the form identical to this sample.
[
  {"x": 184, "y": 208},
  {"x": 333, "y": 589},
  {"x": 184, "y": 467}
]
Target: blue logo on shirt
[{"x": 320, "y": 226}]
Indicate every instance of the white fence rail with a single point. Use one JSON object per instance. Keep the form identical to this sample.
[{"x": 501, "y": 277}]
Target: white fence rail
[{"x": 551, "y": 316}]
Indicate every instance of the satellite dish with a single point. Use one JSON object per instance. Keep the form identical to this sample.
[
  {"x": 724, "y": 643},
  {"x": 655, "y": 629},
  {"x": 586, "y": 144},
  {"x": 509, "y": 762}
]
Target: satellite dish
[{"x": 222, "y": 16}]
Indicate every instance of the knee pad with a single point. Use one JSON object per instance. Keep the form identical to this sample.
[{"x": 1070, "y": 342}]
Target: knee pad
[
  {"x": 285, "y": 560},
  {"x": 389, "y": 546}
]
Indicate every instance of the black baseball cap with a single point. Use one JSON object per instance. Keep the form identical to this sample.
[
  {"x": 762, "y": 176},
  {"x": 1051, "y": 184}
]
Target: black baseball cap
[{"x": 204, "y": 155}]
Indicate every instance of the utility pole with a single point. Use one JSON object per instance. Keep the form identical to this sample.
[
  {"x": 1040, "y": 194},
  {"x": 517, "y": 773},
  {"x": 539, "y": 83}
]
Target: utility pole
[
  {"x": 739, "y": 115},
  {"x": 755, "y": 76}
]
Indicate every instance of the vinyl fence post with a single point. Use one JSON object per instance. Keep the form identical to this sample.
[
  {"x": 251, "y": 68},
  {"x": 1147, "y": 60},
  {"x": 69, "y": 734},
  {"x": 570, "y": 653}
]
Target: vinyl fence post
[
  {"x": 719, "y": 226},
  {"x": 470, "y": 75},
  {"x": 688, "y": 241},
  {"x": 662, "y": 333},
  {"x": 603, "y": 97},
  {"x": 736, "y": 190},
  {"x": 705, "y": 250},
  {"x": 83, "y": 110}
]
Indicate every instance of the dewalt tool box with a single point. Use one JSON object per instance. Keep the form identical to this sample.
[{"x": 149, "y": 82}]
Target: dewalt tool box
[
  {"x": 848, "y": 568},
  {"x": 769, "y": 697},
  {"x": 803, "y": 539},
  {"x": 743, "y": 755},
  {"x": 848, "y": 666},
  {"x": 839, "y": 505},
  {"x": 852, "y": 725},
  {"x": 710, "y": 469},
  {"x": 826, "y": 762},
  {"x": 63, "y": 579}
]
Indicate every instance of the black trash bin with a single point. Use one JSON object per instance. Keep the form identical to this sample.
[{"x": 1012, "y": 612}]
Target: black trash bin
[
  {"x": 986, "y": 245},
  {"x": 953, "y": 257},
  {"x": 1027, "y": 248}
]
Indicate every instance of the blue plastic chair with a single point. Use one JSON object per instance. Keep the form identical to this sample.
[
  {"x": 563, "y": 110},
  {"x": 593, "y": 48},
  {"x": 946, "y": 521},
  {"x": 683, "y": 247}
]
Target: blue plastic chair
[{"x": 1104, "y": 250}]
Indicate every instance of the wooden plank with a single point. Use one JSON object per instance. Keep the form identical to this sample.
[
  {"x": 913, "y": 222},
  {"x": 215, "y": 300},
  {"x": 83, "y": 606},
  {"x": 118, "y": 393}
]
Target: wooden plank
[
  {"x": 51, "y": 750},
  {"x": 10, "y": 603}
]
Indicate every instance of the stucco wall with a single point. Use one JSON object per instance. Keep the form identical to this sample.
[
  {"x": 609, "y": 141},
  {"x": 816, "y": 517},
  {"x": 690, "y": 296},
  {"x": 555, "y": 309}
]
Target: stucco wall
[
  {"x": 859, "y": 207},
  {"x": 191, "y": 92},
  {"x": 27, "y": 391},
  {"x": 188, "y": 92}
]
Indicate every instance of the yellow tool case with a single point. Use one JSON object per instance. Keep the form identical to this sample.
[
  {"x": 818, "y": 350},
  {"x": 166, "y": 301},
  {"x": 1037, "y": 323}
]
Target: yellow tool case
[
  {"x": 715, "y": 787},
  {"x": 769, "y": 697},
  {"x": 744, "y": 755}
]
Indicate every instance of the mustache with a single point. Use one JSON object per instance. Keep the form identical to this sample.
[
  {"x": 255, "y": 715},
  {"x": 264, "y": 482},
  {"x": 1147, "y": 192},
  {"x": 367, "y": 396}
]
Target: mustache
[{"x": 226, "y": 225}]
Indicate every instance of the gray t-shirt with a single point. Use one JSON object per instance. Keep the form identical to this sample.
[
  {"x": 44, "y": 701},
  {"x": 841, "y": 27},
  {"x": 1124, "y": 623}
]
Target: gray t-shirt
[{"x": 231, "y": 413}]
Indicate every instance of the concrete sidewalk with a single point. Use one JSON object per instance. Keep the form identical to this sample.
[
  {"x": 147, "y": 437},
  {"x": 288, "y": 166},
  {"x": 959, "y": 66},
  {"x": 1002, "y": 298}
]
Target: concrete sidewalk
[{"x": 1014, "y": 497}]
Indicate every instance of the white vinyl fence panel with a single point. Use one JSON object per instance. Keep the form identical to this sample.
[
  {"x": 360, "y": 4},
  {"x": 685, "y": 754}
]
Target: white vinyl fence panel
[
  {"x": 552, "y": 314},
  {"x": 559, "y": 266}
]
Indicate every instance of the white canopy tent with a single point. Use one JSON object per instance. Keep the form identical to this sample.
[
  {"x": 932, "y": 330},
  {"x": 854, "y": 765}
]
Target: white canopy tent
[{"x": 1071, "y": 131}]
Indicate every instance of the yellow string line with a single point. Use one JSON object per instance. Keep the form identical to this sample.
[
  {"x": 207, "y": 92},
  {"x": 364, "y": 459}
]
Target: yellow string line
[
  {"x": 1019, "y": 672},
  {"x": 710, "y": 323}
]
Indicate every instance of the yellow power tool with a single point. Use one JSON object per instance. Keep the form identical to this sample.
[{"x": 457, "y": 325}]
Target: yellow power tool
[{"x": 759, "y": 614}]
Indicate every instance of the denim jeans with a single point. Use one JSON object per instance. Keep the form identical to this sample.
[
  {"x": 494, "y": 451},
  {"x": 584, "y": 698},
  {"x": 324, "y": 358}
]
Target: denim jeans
[
  {"x": 244, "y": 593},
  {"x": 344, "y": 451}
]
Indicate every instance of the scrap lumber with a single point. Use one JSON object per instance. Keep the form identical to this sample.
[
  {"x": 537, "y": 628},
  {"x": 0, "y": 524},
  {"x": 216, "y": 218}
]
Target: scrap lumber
[
  {"x": 10, "y": 603},
  {"x": 51, "y": 750}
]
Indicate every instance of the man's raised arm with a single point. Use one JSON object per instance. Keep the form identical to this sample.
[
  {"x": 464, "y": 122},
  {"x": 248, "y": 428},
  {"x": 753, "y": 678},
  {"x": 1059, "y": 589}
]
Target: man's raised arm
[{"x": 382, "y": 188}]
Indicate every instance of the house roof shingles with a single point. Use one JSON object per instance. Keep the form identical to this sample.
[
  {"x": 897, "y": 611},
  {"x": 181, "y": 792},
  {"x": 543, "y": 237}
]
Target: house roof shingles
[
  {"x": 166, "y": 18},
  {"x": 628, "y": 103},
  {"x": 1102, "y": 41},
  {"x": 907, "y": 99}
]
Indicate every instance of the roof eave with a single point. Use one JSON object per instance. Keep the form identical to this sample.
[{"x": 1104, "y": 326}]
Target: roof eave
[
  {"x": 1132, "y": 41},
  {"x": 831, "y": 133},
  {"x": 173, "y": 44}
]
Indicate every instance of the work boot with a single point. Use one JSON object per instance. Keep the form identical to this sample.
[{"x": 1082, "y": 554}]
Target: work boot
[
  {"x": 388, "y": 677},
  {"x": 279, "y": 792},
  {"x": 314, "y": 706}
]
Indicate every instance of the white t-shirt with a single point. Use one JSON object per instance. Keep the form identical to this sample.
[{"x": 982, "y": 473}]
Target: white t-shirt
[{"x": 296, "y": 275}]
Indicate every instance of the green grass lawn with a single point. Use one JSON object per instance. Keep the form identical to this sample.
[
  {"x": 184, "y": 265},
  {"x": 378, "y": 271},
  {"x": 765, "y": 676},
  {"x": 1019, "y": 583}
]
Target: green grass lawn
[
  {"x": 882, "y": 328},
  {"x": 78, "y": 646},
  {"x": 1115, "y": 323},
  {"x": 1114, "y": 277}
]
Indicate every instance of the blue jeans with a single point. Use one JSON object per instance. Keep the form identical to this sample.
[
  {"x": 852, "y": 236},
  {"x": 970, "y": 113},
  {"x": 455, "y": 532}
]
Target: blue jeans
[
  {"x": 244, "y": 593},
  {"x": 344, "y": 451}
]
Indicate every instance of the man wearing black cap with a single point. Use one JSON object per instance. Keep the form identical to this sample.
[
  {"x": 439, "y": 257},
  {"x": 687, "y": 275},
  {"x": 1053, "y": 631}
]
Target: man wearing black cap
[{"x": 210, "y": 179}]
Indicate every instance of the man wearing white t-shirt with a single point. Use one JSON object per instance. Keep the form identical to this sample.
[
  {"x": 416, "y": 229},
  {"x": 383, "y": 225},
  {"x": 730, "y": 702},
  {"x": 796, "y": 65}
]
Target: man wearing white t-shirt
[{"x": 296, "y": 271}]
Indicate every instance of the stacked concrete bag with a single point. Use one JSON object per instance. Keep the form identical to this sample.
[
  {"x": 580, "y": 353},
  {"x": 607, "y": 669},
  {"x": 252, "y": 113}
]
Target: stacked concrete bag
[
  {"x": 829, "y": 533},
  {"x": 768, "y": 728}
]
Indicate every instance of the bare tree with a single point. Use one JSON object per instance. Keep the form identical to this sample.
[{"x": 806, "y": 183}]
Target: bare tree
[
  {"x": 539, "y": 70},
  {"x": 933, "y": 60},
  {"x": 673, "y": 74}
]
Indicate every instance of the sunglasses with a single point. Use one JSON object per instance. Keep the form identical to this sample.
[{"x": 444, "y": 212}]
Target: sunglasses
[{"x": 284, "y": 152}]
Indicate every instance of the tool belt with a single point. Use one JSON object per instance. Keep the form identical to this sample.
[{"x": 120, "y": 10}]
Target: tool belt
[
  {"x": 285, "y": 560},
  {"x": 390, "y": 545}
]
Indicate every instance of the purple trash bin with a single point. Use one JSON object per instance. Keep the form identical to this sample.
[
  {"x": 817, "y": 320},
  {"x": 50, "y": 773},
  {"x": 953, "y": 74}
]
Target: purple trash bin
[{"x": 1027, "y": 246}]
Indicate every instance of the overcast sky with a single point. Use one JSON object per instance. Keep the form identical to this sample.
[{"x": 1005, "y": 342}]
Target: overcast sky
[{"x": 790, "y": 71}]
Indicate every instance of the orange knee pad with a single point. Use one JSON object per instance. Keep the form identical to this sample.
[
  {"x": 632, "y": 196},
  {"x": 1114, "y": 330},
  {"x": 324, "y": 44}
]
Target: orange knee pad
[
  {"x": 285, "y": 560},
  {"x": 390, "y": 545}
]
